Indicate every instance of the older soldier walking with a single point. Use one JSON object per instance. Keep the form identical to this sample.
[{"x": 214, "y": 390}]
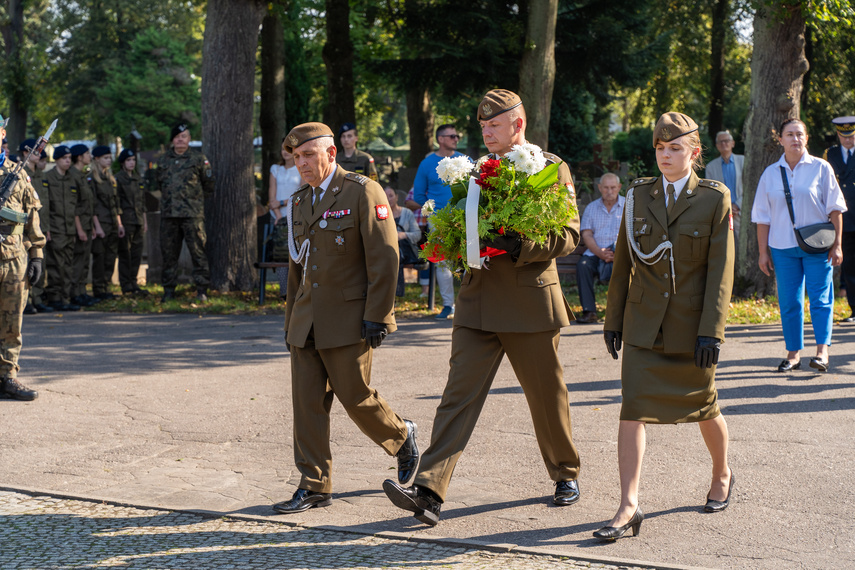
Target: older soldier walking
[
  {"x": 341, "y": 293},
  {"x": 181, "y": 178},
  {"x": 21, "y": 243}
]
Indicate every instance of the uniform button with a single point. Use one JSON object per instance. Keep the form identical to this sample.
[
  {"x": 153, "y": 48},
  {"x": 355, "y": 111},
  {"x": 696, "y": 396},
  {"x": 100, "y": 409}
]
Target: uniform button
[
  {"x": 338, "y": 227},
  {"x": 312, "y": 232},
  {"x": 665, "y": 275},
  {"x": 315, "y": 286},
  {"x": 665, "y": 294},
  {"x": 540, "y": 281},
  {"x": 696, "y": 233},
  {"x": 314, "y": 249},
  {"x": 315, "y": 268},
  {"x": 664, "y": 236}
]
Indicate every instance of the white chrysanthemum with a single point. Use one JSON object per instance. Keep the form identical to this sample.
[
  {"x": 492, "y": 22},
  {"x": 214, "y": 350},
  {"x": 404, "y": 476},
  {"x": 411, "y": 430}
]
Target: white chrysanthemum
[
  {"x": 428, "y": 207},
  {"x": 451, "y": 170},
  {"x": 481, "y": 161},
  {"x": 527, "y": 158}
]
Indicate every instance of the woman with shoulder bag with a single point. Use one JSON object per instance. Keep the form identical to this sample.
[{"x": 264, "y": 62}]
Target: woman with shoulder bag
[
  {"x": 797, "y": 198},
  {"x": 408, "y": 234}
]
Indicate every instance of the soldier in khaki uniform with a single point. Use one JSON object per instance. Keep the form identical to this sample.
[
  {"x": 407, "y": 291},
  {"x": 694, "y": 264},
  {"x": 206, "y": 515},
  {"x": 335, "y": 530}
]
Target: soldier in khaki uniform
[
  {"x": 516, "y": 307},
  {"x": 35, "y": 302},
  {"x": 87, "y": 224},
  {"x": 132, "y": 203},
  {"x": 20, "y": 265},
  {"x": 181, "y": 178},
  {"x": 62, "y": 190},
  {"x": 668, "y": 300},
  {"x": 105, "y": 250},
  {"x": 341, "y": 292},
  {"x": 351, "y": 158}
]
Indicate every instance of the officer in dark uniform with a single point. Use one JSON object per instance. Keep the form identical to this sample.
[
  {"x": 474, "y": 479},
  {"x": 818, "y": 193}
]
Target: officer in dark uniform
[
  {"x": 351, "y": 158},
  {"x": 341, "y": 294},
  {"x": 840, "y": 156},
  {"x": 516, "y": 307}
]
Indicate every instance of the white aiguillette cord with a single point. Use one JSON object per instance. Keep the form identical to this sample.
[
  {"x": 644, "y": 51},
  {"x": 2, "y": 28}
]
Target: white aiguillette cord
[
  {"x": 663, "y": 249},
  {"x": 473, "y": 246},
  {"x": 301, "y": 256}
]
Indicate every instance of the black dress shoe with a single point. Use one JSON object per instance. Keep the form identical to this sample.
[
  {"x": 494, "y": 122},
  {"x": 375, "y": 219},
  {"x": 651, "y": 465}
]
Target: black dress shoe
[
  {"x": 408, "y": 454},
  {"x": 303, "y": 500},
  {"x": 30, "y": 310},
  {"x": 819, "y": 364},
  {"x": 14, "y": 389},
  {"x": 587, "y": 318},
  {"x": 718, "y": 506},
  {"x": 415, "y": 499},
  {"x": 612, "y": 533},
  {"x": 42, "y": 308},
  {"x": 787, "y": 366},
  {"x": 566, "y": 493}
]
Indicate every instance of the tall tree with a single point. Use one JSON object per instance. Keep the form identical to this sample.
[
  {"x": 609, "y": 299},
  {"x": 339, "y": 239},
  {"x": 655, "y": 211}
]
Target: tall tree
[
  {"x": 719, "y": 28},
  {"x": 338, "y": 57},
  {"x": 272, "y": 113},
  {"x": 537, "y": 69},
  {"x": 777, "y": 67},
  {"x": 228, "y": 86}
]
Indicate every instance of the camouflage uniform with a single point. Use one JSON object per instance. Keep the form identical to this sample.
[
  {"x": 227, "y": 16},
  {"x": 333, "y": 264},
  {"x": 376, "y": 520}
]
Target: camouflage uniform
[
  {"x": 82, "y": 249},
  {"x": 37, "y": 290},
  {"x": 61, "y": 192},
  {"x": 106, "y": 249},
  {"x": 182, "y": 180},
  {"x": 21, "y": 241},
  {"x": 132, "y": 204}
]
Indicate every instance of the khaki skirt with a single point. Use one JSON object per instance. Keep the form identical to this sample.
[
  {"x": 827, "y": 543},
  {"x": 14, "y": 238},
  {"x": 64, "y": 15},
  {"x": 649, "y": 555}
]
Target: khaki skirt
[{"x": 662, "y": 388}]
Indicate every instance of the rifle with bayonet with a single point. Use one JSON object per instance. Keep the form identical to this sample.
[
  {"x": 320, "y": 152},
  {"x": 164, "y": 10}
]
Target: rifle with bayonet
[{"x": 11, "y": 179}]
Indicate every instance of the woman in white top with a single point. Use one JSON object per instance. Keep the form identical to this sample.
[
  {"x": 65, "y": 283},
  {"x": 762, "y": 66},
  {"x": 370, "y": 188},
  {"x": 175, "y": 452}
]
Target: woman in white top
[
  {"x": 284, "y": 181},
  {"x": 816, "y": 198}
]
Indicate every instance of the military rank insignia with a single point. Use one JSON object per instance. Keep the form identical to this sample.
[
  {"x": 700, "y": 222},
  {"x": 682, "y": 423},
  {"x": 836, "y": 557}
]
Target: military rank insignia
[
  {"x": 337, "y": 214},
  {"x": 382, "y": 211}
]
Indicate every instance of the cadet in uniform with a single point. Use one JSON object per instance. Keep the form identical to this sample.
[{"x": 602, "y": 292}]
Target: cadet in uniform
[
  {"x": 35, "y": 302},
  {"x": 132, "y": 204},
  {"x": 341, "y": 292},
  {"x": 840, "y": 156},
  {"x": 105, "y": 249},
  {"x": 352, "y": 159},
  {"x": 668, "y": 300},
  {"x": 180, "y": 180},
  {"x": 20, "y": 266},
  {"x": 87, "y": 224},
  {"x": 516, "y": 307},
  {"x": 62, "y": 190}
]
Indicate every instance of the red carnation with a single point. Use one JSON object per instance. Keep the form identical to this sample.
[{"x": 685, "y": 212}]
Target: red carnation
[{"x": 489, "y": 169}]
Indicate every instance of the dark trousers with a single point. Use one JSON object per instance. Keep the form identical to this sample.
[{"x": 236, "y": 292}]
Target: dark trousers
[
  {"x": 130, "y": 256},
  {"x": 847, "y": 269},
  {"x": 104, "y": 253},
  {"x": 174, "y": 231},
  {"x": 80, "y": 268},
  {"x": 59, "y": 255},
  {"x": 587, "y": 267}
]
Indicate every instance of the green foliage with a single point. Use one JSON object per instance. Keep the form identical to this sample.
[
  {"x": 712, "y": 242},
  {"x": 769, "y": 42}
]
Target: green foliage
[{"x": 636, "y": 146}]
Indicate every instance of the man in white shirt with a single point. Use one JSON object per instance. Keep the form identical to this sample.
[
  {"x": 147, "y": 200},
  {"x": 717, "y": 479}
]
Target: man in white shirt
[{"x": 727, "y": 168}]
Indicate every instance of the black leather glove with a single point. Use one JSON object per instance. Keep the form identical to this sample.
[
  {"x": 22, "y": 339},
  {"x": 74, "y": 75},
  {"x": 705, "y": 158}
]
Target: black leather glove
[
  {"x": 373, "y": 333},
  {"x": 34, "y": 269},
  {"x": 706, "y": 351},
  {"x": 510, "y": 241},
  {"x": 613, "y": 342},
  {"x": 287, "y": 346}
]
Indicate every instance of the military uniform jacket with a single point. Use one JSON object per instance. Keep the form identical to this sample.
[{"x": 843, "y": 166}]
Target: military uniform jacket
[
  {"x": 62, "y": 192},
  {"x": 20, "y": 241},
  {"x": 36, "y": 180},
  {"x": 523, "y": 295},
  {"x": 352, "y": 270},
  {"x": 846, "y": 179},
  {"x": 106, "y": 202},
  {"x": 360, "y": 163},
  {"x": 182, "y": 180},
  {"x": 642, "y": 299},
  {"x": 131, "y": 191},
  {"x": 85, "y": 199}
]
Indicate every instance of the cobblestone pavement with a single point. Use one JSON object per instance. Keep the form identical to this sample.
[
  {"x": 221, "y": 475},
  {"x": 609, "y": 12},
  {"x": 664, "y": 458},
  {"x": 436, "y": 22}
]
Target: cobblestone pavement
[{"x": 41, "y": 532}]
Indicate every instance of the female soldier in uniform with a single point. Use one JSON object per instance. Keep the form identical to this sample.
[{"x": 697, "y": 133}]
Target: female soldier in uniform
[
  {"x": 131, "y": 192},
  {"x": 668, "y": 300},
  {"x": 105, "y": 249}
]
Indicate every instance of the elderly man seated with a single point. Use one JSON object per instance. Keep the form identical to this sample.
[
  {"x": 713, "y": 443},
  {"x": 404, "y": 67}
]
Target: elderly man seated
[{"x": 600, "y": 226}]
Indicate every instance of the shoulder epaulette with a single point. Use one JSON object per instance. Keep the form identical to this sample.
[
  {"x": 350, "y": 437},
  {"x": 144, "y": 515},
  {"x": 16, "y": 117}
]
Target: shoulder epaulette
[
  {"x": 358, "y": 178},
  {"x": 643, "y": 181},
  {"x": 714, "y": 184},
  {"x": 553, "y": 158}
]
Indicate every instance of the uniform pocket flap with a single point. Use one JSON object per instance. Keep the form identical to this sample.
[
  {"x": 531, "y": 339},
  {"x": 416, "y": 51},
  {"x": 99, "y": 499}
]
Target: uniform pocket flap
[
  {"x": 536, "y": 279},
  {"x": 354, "y": 293},
  {"x": 299, "y": 228},
  {"x": 339, "y": 225},
  {"x": 695, "y": 230}
]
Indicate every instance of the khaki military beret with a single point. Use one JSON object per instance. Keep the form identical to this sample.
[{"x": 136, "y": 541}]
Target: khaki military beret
[
  {"x": 671, "y": 126},
  {"x": 305, "y": 133},
  {"x": 496, "y": 102},
  {"x": 844, "y": 125}
]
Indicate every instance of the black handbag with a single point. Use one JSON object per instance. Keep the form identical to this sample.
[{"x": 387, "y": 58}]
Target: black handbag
[{"x": 815, "y": 238}]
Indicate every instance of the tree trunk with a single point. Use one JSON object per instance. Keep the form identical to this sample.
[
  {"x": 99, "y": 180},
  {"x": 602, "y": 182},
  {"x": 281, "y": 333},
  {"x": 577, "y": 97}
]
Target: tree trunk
[
  {"x": 718, "y": 33},
  {"x": 338, "y": 58},
  {"x": 272, "y": 113},
  {"x": 777, "y": 67},
  {"x": 228, "y": 85},
  {"x": 537, "y": 69},
  {"x": 420, "y": 122},
  {"x": 16, "y": 77}
]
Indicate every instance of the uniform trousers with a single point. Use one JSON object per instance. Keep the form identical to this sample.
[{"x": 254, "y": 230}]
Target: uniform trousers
[
  {"x": 104, "y": 253},
  {"x": 344, "y": 372},
  {"x": 13, "y": 297},
  {"x": 847, "y": 269},
  {"x": 795, "y": 270},
  {"x": 82, "y": 261},
  {"x": 174, "y": 231},
  {"x": 59, "y": 259},
  {"x": 130, "y": 256},
  {"x": 475, "y": 358}
]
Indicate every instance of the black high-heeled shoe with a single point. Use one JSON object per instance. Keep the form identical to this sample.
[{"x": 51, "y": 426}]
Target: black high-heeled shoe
[
  {"x": 612, "y": 533},
  {"x": 718, "y": 506}
]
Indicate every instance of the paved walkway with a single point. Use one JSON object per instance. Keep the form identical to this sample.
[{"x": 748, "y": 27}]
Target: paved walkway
[{"x": 189, "y": 413}]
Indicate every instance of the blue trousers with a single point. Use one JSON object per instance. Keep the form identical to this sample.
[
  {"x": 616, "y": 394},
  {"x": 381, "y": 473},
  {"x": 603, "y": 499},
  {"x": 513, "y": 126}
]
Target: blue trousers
[
  {"x": 586, "y": 268},
  {"x": 795, "y": 269}
]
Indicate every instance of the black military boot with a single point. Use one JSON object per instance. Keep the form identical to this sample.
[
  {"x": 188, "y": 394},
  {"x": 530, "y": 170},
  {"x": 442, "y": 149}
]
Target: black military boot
[
  {"x": 168, "y": 293},
  {"x": 202, "y": 294},
  {"x": 16, "y": 390}
]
